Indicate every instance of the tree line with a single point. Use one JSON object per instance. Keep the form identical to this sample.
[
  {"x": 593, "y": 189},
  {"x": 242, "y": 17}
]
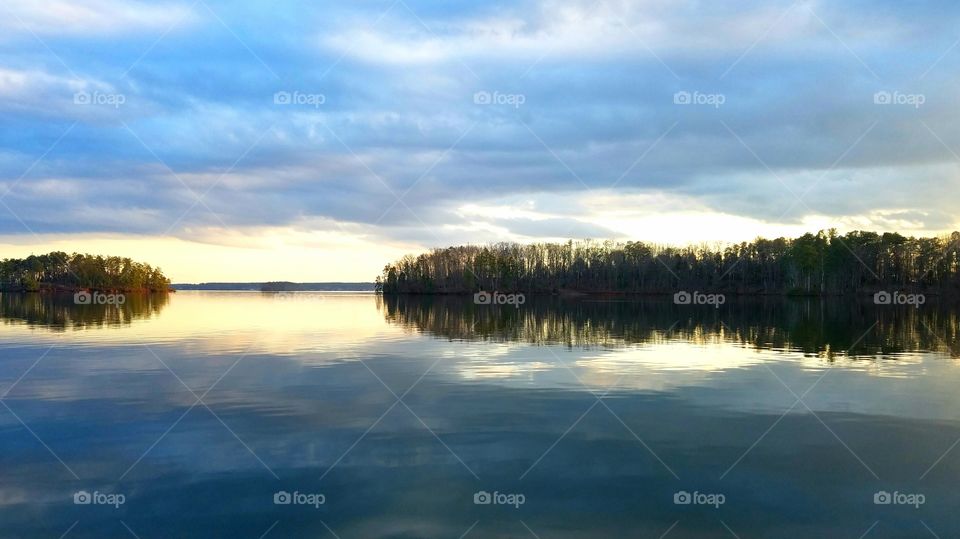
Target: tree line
[
  {"x": 825, "y": 263},
  {"x": 60, "y": 270}
]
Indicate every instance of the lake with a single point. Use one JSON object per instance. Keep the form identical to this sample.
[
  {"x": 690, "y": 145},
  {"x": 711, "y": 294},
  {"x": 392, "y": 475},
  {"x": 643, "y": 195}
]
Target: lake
[{"x": 246, "y": 414}]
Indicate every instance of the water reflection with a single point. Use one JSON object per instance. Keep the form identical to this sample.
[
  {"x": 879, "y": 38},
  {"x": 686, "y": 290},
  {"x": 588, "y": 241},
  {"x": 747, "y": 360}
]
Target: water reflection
[
  {"x": 825, "y": 328},
  {"x": 59, "y": 311},
  {"x": 300, "y": 394}
]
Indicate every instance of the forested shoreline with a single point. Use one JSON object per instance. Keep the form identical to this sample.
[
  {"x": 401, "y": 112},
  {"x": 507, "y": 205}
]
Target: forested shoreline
[
  {"x": 60, "y": 271},
  {"x": 825, "y": 263}
]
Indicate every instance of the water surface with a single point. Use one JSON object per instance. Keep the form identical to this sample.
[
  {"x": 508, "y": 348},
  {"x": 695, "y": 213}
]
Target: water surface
[{"x": 599, "y": 415}]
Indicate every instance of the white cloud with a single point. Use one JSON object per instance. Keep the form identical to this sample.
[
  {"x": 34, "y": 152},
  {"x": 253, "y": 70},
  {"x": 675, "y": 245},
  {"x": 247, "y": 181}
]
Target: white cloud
[
  {"x": 586, "y": 29},
  {"x": 35, "y": 89},
  {"x": 91, "y": 17},
  {"x": 65, "y": 97}
]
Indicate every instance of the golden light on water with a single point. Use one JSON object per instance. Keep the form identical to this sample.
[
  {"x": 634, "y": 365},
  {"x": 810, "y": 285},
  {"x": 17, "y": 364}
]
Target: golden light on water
[{"x": 239, "y": 322}]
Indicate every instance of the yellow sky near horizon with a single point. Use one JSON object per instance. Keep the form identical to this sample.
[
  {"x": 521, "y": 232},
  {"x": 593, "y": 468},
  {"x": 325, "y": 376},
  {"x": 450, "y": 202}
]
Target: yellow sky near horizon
[
  {"x": 299, "y": 255},
  {"x": 194, "y": 262}
]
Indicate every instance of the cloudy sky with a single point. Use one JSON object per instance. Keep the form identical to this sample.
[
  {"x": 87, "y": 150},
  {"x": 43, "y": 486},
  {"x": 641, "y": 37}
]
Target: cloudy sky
[{"x": 319, "y": 140}]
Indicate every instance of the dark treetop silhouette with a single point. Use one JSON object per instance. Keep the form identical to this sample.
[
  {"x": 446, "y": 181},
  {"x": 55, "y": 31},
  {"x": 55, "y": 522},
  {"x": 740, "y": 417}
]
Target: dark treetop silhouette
[
  {"x": 813, "y": 264},
  {"x": 59, "y": 270}
]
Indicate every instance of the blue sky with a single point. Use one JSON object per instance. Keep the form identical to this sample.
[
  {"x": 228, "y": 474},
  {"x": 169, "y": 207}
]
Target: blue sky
[{"x": 319, "y": 140}]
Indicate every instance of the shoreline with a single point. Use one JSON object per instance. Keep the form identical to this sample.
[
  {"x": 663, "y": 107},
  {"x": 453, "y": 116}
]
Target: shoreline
[{"x": 63, "y": 289}]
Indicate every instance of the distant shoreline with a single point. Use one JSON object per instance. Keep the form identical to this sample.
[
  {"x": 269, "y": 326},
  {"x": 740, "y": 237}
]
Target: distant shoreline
[{"x": 279, "y": 287}]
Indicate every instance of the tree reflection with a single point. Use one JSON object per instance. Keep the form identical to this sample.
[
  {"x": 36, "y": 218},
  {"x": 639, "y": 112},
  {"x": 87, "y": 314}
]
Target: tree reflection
[
  {"x": 826, "y": 328},
  {"x": 59, "y": 312}
]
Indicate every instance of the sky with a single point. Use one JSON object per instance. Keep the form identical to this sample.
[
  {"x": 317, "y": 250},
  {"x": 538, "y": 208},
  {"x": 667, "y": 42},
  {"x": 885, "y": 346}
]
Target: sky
[{"x": 318, "y": 141}]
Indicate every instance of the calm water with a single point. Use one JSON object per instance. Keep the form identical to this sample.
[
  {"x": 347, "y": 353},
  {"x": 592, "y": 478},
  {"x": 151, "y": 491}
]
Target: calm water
[{"x": 586, "y": 418}]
